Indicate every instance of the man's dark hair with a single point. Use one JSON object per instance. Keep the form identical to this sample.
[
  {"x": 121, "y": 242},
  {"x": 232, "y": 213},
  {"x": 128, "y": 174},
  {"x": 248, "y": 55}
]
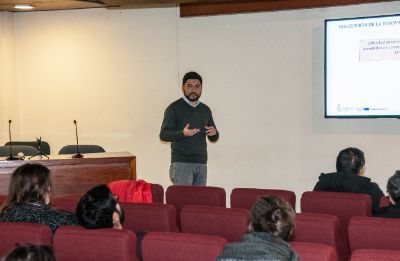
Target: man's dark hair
[
  {"x": 350, "y": 161},
  {"x": 95, "y": 209},
  {"x": 393, "y": 187},
  {"x": 193, "y": 76},
  {"x": 30, "y": 252},
  {"x": 273, "y": 215}
]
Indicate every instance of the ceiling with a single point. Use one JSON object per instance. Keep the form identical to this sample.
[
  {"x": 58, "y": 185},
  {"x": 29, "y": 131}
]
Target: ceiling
[
  {"x": 45, "y": 5},
  {"x": 187, "y": 7}
]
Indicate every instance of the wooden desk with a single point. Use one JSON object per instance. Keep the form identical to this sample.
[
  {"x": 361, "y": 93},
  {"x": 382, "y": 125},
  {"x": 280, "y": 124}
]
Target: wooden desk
[{"x": 73, "y": 177}]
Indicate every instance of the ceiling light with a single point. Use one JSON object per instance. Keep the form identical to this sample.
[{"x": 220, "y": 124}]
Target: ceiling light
[{"x": 24, "y": 7}]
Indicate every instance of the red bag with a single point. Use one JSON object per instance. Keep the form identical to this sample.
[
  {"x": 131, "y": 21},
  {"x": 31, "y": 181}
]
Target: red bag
[{"x": 132, "y": 191}]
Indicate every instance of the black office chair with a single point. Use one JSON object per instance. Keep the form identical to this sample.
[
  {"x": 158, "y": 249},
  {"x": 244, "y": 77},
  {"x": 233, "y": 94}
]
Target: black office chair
[
  {"x": 44, "y": 146},
  {"x": 26, "y": 150},
  {"x": 71, "y": 149}
]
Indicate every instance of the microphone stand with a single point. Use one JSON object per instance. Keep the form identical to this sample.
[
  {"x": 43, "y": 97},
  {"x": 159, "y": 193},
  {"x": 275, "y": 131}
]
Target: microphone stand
[
  {"x": 10, "y": 157},
  {"x": 78, "y": 155},
  {"x": 39, "y": 153}
]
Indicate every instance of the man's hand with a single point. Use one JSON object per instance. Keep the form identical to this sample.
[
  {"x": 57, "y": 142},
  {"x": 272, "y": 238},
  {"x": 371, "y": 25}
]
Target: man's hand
[
  {"x": 189, "y": 132},
  {"x": 210, "y": 131}
]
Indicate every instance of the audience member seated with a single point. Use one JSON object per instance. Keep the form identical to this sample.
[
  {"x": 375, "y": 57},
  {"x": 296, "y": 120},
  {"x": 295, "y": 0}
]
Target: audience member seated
[
  {"x": 393, "y": 189},
  {"x": 272, "y": 224},
  {"x": 350, "y": 167},
  {"x": 29, "y": 195},
  {"x": 30, "y": 253},
  {"x": 98, "y": 208}
]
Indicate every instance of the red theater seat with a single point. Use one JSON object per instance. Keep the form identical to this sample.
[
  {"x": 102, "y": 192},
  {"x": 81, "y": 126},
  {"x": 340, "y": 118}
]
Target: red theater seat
[
  {"x": 22, "y": 233},
  {"x": 341, "y": 204},
  {"x": 158, "y": 193},
  {"x": 245, "y": 197},
  {"x": 180, "y": 196},
  {"x": 2, "y": 199},
  {"x": 375, "y": 255},
  {"x": 150, "y": 217},
  {"x": 320, "y": 229},
  {"x": 77, "y": 243},
  {"x": 229, "y": 223},
  {"x": 374, "y": 233},
  {"x": 67, "y": 204},
  {"x": 168, "y": 246},
  {"x": 384, "y": 202},
  {"x": 314, "y": 252}
]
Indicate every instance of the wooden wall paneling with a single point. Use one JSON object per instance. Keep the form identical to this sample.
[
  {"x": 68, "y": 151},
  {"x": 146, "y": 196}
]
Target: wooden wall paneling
[{"x": 229, "y": 7}]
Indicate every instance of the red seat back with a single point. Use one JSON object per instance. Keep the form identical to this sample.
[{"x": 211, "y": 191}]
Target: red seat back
[
  {"x": 77, "y": 243},
  {"x": 321, "y": 229},
  {"x": 12, "y": 233},
  {"x": 374, "y": 255},
  {"x": 245, "y": 197},
  {"x": 341, "y": 204},
  {"x": 150, "y": 217},
  {"x": 168, "y": 246},
  {"x": 384, "y": 202},
  {"x": 229, "y": 223},
  {"x": 67, "y": 204},
  {"x": 2, "y": 199},
  {"x": 158, "y": 193},
  {"x": 314, "y": 252},
  {"x": 374, "y": 232},
  {"x": 180, "y": 196}
]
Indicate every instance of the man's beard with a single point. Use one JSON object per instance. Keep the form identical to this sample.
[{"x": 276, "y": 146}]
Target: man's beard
[{"x": 192, "y": 97}]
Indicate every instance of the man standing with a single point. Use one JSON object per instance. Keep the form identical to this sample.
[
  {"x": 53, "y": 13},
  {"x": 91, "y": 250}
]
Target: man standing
[{"x": 186, "y": 123}]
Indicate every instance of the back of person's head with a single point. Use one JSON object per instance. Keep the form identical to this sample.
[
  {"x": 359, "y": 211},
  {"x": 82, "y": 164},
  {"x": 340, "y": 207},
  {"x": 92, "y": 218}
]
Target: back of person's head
[
  {"x": 30, "y": 253},
  {"x": 350, "y": 161},
  {"x": 29, "y": 183},
  {"x": 96, "y": 208},
  {"x": 393, "y": 187},
  {"x": 192, "y": 76},
  {"x": 273, "y": 215}
]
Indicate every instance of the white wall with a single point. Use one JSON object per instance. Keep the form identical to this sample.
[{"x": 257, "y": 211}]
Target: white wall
[
  {"x": 112, "y": 71},
  {"x": 9, "y": 103},
  {"x": 116, "y": 71}
]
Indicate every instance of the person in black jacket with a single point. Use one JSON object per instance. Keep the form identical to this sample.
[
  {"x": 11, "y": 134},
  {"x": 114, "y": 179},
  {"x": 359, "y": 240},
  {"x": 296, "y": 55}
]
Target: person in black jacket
[
  {"x": 350, "y": 167},
  {"x": 393, "y": 189}
]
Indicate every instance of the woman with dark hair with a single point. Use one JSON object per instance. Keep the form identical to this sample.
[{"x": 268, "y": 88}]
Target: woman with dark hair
[
  {"x": 272, "y": 224},
  {"x": 393, "y": 189},
  {"x": 29, "y": 196}
]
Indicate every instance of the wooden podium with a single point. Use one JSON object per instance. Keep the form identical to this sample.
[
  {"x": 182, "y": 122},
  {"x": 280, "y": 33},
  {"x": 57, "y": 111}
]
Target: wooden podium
[{"x": 73, "y": 177}]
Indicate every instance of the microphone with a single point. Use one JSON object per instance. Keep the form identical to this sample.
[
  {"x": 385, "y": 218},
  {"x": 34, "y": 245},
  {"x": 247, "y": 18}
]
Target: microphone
[
  {"x": 78, "y": 155},
  {"x": 10, "y": 157}
]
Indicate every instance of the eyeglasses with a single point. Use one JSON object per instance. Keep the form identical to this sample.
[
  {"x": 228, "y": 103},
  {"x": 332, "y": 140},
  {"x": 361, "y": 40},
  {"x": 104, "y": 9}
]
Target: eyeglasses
[{"x": 116, "y": 197}]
